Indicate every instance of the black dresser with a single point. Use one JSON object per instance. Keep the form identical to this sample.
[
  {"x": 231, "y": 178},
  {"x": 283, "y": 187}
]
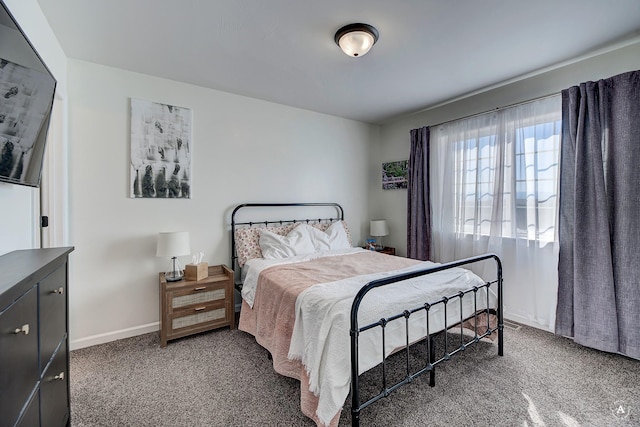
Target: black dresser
[{"x": 34, "y": 338}]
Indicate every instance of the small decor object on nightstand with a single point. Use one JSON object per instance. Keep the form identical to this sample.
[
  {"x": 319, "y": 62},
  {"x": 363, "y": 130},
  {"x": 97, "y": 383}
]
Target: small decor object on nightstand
[
  {"x": 371, "y": 244},
  {"x": 173, "y": 244},
  {"x": 197, "y": 270}
]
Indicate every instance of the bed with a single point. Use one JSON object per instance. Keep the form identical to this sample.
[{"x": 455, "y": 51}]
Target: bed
[{"x": 327, "y": 311}]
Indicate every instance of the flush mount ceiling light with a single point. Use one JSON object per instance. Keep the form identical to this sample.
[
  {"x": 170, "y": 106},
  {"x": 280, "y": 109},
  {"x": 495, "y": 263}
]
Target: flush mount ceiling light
[{"x": 356, "y": 39}]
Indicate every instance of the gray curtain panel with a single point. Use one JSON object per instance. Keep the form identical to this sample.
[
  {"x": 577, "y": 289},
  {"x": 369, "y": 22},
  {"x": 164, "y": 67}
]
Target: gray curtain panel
[
  {"x": 418, "y": 206},
  {"x": 599, "y": 268}
]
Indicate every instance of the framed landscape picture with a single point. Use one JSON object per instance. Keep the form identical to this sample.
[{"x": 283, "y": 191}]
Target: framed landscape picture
[{"x": 395, "y": 175}]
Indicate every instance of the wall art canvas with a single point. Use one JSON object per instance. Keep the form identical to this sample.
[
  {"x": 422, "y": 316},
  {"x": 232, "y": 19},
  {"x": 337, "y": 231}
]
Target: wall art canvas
[
  {"x": 395, "y": 175},
  {"x": 160, "y": 151}
]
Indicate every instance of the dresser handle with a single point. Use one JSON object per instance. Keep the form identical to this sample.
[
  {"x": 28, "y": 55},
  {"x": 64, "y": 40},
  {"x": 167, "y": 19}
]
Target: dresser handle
[
  {"x": 60, "y": 376},
  {"x": 23, "y": 330},
  {"x": 59, "y": 291},
  {"x": 199, "y": 308},
  {"x": 200, "y": 288}
]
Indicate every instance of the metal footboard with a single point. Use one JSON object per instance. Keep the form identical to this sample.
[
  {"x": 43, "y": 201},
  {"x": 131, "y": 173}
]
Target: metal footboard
[{"x": 357, "y": 406}]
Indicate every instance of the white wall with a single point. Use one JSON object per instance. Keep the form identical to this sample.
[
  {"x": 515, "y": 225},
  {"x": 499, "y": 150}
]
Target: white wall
[
  {"x": 19, "y": 212},
  {"x": 244, "y": 150},
  {"x": 18, "y": 219},
  {"x": 394, "y": 142},
  {"x": 33, "y": 22}
]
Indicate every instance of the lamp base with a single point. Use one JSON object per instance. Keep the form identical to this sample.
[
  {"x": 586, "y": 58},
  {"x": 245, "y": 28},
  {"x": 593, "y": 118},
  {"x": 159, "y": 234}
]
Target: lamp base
[
  {"x": 176, "y": 273},
  {"x": 173, "y": 276}
]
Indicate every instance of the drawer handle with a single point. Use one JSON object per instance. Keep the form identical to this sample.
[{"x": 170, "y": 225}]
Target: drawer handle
[
  {"x": 23, "y": 330},
  {"x": 58, "y": 291},
  {"x": 59, "y": 377},
  {"x": 200, "y": 288},
  {"x": 199, "y": 308}
]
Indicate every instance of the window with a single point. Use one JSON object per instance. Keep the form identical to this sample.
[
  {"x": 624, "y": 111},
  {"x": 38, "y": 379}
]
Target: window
[
  {"x": 494, "y": 189},
  {"x": 501, "y": 171},
  {"x": 537, "y": 166}
]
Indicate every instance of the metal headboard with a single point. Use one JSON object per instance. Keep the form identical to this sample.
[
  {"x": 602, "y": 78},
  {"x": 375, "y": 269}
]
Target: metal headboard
[{"x": 246, "y": 206}]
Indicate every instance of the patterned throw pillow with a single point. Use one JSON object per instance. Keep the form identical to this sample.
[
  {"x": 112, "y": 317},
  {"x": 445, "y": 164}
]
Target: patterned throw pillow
[{"x": 247, "y": 241}]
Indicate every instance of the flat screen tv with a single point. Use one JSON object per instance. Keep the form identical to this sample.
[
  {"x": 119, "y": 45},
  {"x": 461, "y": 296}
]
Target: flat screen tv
[{"x": 27, "y": 89}]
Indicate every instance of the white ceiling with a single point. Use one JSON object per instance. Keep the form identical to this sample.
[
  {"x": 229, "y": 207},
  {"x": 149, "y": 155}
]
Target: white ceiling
[{"x": 283, "y": 51}]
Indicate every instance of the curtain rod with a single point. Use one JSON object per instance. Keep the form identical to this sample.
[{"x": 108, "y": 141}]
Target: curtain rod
[{"x": 498, "y": 109}]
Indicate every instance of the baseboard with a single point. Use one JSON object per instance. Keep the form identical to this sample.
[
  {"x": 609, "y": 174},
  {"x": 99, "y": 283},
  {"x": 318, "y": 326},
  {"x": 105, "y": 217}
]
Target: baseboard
[
  {"x": 155, "y": 326},
  {"x": 113, "y": 336}
]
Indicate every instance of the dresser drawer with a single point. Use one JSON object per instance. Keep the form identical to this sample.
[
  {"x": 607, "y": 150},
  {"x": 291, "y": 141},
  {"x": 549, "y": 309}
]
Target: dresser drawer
[
  {"x": 19, "y": 370},
  {"x": 53, "y": 321},
  {"x": 31, "y": 415},
  {"x": 54, "y": 400}
]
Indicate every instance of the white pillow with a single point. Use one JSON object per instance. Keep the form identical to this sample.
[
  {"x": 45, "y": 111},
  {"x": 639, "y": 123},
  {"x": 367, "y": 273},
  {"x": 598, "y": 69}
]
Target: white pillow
[
  {"x": 335, "y": 237},
  {"x": 297, "y": 242}
]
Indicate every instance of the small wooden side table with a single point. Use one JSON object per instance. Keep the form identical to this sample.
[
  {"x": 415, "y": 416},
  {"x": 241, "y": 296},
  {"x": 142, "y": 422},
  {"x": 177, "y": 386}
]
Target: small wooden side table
[
  {"x": 387, "y": 250},
  {"x": 188, "y": 307}
]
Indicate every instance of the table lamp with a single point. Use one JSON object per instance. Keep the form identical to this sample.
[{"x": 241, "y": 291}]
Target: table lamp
[
  {"x": 173, "y": 244},
  {"x": 378, "y": 228}
]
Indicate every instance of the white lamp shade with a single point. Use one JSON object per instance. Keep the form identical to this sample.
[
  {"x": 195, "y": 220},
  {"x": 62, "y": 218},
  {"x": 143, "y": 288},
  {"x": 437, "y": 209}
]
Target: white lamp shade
[
  {"x": 356, "y": 43},
  {"x": 174, "y": 243},
  {"x": 378, "y": 227}
]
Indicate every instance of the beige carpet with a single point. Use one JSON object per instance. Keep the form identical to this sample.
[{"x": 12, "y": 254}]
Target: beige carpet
[{"x": 223, "y": 378}]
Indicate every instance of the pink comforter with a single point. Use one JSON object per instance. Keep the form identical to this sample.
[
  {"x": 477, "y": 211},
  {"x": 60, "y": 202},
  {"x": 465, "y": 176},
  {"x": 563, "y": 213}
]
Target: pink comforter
[{"x": 273, "y": 315}]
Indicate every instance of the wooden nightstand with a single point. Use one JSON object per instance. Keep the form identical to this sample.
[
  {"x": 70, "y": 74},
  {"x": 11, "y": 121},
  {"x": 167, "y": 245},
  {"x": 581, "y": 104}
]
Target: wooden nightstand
[
  {"x": 388, "y": 250},
  {"x": 188, "y": 306}
]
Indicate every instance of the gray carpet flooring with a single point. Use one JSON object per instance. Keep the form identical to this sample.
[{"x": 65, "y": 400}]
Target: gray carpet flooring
[{"x": 223, "y": 378}]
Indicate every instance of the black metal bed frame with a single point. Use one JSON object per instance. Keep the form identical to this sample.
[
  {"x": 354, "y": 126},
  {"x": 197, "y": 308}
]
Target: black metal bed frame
[{"x": 355, "y": 330}]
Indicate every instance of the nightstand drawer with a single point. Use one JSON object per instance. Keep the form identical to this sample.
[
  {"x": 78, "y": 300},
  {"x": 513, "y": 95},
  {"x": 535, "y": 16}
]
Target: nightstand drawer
[
  {"x": 196, "y": 308},
  {"x": 197, "y": 295},
  {"x": 199, "y": 317}
]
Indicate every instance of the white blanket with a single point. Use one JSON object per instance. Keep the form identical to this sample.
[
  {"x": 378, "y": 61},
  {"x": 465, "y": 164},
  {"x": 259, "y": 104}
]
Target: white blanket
[{"x": 321, "y": 337}]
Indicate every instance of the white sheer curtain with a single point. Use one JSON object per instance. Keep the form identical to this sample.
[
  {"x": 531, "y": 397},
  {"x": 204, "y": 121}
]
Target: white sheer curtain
[{"x": 494, "y": 188}]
